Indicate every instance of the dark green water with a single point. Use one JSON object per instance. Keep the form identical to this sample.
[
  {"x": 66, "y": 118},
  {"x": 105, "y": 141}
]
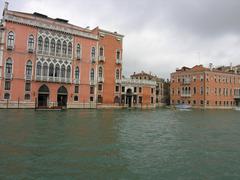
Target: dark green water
[{"x": 120, "y": 144}]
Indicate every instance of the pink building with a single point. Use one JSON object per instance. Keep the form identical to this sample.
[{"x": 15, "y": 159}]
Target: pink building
[{"x": 47, "y": 62}]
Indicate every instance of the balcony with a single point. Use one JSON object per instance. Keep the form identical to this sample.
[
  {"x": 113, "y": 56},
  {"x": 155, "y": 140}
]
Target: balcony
[
  {"x": 101, "y": 58},
  {"x": 10, "y": 47},
  {"x": 30, "y": 50},
  {"x": 92, "y": 82},
  {"x": 93, "y": 60},
  {"x": 186, "y": 95},
  {"x": 78, "y": 57},
  {"x": 101, "y": 79},
  {"x": 28, "y": 77},
  {"x": 53, "y": 79},
  {"x": 119, "y": 61},
  {"x": 237, "y": 96},
  {"x": 8, "y": 75},
  {"x": 118, "y": 81},
  {"x": 76, "y": 81}
]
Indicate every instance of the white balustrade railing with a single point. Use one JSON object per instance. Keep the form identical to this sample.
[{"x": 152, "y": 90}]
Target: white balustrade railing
[{"x": 139, "y": 82}]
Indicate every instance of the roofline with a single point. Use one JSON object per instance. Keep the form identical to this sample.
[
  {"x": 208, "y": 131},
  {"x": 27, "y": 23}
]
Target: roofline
[
  {"x": 15, "y": 16},
  {"x": 111, "y": 33}
]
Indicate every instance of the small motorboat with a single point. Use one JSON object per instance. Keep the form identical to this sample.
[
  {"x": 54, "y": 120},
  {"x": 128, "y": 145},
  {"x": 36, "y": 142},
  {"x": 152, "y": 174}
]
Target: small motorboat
[
  {"x": 237, "y": 108},
  {"x": 183, "y": 107}
]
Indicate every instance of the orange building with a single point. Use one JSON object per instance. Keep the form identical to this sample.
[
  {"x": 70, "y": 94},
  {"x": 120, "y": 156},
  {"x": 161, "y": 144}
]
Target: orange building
[
  {"x": 138, "y": 93},
  {"x": 202, "y": 87},
  {"x": 46, "y": 62}
]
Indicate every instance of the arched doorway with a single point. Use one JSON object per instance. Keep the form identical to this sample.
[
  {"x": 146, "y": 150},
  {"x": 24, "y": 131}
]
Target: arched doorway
[
  {"x": 43, "y": 96},
  {"x": 62, "y": 96},
  {"x": 129, "y": 96}
]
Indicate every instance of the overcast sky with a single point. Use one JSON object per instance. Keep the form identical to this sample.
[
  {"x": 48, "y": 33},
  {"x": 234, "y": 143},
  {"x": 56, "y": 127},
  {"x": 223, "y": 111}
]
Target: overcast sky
[{"x": 160, "y": 35}]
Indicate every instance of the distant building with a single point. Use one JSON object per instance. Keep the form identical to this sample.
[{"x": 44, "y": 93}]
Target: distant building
[
  {"x": 138, "y": 93},
  {"x": 203, "y": 87},
  {"x": 161, "y": 90}
]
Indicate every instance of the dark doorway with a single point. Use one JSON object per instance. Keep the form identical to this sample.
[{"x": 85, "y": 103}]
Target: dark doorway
[
  {"x": 43, "y": 95},
  {"x": 62, "y": 96},
  {"x": 129, "y": 96}
]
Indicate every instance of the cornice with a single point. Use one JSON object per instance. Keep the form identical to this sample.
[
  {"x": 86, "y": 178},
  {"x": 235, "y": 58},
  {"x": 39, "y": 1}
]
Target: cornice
[{"x": 48, "y": 26}]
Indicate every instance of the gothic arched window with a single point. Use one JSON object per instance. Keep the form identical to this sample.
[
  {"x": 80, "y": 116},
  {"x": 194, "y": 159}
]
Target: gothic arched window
[
  {"x": 64, "y": 48},
  {"x": 31, "y": 42},
  {"x": 68, "y": 72},
  {"x": 100, "y": 72},
  {"x": 8, "y": 69},
  {"x": 39, "y": 69},
  {"x": 40, "y": 44},
  {"x": 45, "y": 69},
  {"x": 46, "y": 45},
  {"x": 77, "y": 73},
  {"x": 70, "y": 49},
  {"x": 29, "y": 68},
  {"x": 92, "y": 74},
  {"x": 53, "y": 47},
  {"x": 63, "y": 69},
  {"x": 11, "y": 37}
]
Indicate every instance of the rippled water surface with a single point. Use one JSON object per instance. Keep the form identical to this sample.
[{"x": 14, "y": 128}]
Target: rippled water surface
[{"x": 120, "y": 144}]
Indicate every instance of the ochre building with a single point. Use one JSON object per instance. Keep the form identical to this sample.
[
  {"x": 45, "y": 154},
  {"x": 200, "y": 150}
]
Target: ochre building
[
  {"x": 46, "y": 62},
  {"x": 203, "y": 87}
]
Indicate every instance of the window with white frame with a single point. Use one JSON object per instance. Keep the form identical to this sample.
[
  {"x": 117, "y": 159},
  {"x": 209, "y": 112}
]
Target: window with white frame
[
  {"x": 117, "y": 74},
  {"x": 59, "y": 47},
  {"x": 10, "y": 40},
  {"x": 100, "y": 72},
  {"x": 39, "y": 69},
  {"x": 68, "y": 72},
  {"x": 31, "y": 42},
  {"x": 77, "y": 73},
  {"x": 52, "y": 47},
  {"x": 46, "y": 45},
  {"x": 45, "y": 69},
  {"x": 57, "y": 70},
  {"x": 64, "y": 48},
  {"x": 63, "y": 69},
  {"x": 101, "y": 52},
  {"x": 78, "y": 51},
  {"x": 69, "y": 49},
  {"x": 8, "y": 68},
  {"x": 92, "y": 74},
  {"x": 93, "y": 54},
  {"x": 29, "y": 68},
  {"x": 40, "y": 44}
]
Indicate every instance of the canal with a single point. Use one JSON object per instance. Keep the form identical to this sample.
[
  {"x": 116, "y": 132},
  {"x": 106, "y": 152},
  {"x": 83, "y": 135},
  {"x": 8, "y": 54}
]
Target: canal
[{"x": 120, "y": 144}]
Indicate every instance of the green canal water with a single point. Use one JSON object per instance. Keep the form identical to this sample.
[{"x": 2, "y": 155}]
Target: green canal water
[{"x": 120, "y": 144}]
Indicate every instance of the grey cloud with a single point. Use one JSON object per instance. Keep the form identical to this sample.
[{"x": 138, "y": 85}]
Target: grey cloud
[{"x": 160, "y": 35}]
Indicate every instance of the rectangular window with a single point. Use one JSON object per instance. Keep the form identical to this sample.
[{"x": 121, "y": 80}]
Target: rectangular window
[
  {"x": 76, "y": 89},
  {"x": 123, "y": 89},
  {"x": 91, "y": 99},
  {"x": 135, "y": 89},
  {"x": 140, "y": 100},
  {"x": 92, "y": 90},
  {"x": 100, "y": 87},
  {"x": 28, "y": 86},
  {"x": 152, "y": 90},
  {"x": 116, "y": 88},
  {"x": 140, "y": 90},
  {"x": 7, "y": 85},
  {"x": 152, "y": 100}
]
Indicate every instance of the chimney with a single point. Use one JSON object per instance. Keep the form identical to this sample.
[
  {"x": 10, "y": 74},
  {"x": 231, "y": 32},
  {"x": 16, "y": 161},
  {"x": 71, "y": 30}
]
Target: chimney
[{"x": 6, "y": 5}]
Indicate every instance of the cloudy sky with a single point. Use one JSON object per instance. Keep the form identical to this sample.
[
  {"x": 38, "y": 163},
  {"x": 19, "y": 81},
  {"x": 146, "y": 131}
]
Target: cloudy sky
[{"x": 160, "y": 35}]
